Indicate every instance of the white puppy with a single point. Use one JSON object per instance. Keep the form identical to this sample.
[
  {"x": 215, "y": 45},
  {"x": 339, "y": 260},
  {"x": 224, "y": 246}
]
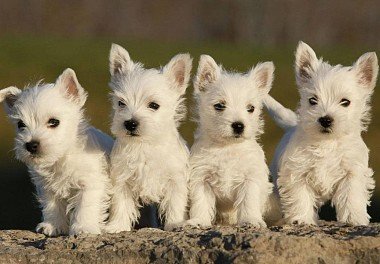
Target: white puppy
[
  {"x": 149, "y": 160},
  {"x": 66, "y": 158},
  {"x": 322, "y": 155},
  {"x": 229, "y": 176}
]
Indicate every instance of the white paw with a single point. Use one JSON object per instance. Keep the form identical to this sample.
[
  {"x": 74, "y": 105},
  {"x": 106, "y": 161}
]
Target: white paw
[
  {"x": 47, "y": 229},
  {"x": 301, "y": 222},
  {"x": 197, "y": 222},
  {"x": 356, "y": 222},
  {"x": 171, "y": 226},
  {"x": 115, "y": 228},
  {"x": 255, "y": 222},
  {"x": 76, "y": 229}
]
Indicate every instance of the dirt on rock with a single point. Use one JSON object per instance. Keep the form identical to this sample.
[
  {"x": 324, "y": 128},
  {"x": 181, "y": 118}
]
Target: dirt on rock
[{"x": 327, "y": 243}]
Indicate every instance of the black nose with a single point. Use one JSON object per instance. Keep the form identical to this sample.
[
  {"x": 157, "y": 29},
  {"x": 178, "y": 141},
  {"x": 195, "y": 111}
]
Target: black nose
[
  {"x": 238, "y": 127},
  {"x": 131, "y": 125},
  {"x": 326, "y": 121},
  {"x": 32, "y": 146}
]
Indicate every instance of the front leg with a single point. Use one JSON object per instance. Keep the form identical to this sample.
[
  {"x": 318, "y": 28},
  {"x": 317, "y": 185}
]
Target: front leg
[
  {"x": 352, "y": 196},
  {"x": 55, "y": 220},
  {"x": 297, "y": 200},
  {"x": 89, "y": 209},
  {"x": 173, "y": 206},
  {"x": 249, "y": 204},
  {"x": 202, "y": 203},
  {"x": 124, "y": 212}
]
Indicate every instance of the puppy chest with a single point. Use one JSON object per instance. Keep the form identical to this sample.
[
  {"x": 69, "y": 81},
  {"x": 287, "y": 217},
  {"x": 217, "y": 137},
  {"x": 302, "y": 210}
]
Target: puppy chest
[
  {"x": 225, "y": 173},
  {"x": 150, "y": 180},
  {"x": 321, "y": 172},
  {"x": 55, "y": 183}
]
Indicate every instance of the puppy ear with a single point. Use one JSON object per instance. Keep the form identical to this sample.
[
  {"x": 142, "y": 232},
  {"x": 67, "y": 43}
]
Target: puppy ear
[
  {"x": 9, "y": 96},
  {"x": 263, "y": 75},
  {"x": 119, "y": 60},
  {"x": 68, "y": 84},
  {"x": 366, "y": 69},
  {"x": 178, "y": 71},
  {"x": 207, "y": 73},
  {"x": 306, "y": 62}
]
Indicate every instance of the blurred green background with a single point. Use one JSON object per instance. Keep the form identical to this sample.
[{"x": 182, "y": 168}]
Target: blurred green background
[{"x": 39, "y": 39}]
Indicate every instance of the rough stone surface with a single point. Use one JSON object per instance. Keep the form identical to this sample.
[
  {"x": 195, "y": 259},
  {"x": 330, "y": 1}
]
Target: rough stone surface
[{"x": 328, "y": 243}]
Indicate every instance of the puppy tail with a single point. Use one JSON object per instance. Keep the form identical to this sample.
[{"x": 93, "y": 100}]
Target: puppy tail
[
  {"x": 284, "y": 117},
  {"x": 101, "y": 140}
]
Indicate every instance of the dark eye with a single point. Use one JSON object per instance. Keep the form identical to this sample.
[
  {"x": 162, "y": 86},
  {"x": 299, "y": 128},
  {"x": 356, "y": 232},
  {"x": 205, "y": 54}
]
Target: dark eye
[
  {"x": 52, "y": 123},
  {"x": 250, "y": 108},
  {"x": 219, "y": 106},
  {"x": 313, "y": 101},
  {"x": 345, "y": 102},
  {"x": 121, "y": 104},
  {"x": 153, "y": 105},
  {"x": 20, "y": 124}
]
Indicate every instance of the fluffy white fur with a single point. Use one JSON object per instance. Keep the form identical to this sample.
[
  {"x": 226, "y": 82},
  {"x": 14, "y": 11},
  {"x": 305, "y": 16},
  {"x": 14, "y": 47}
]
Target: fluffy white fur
[
  {"x": 229, "y": 179},
  {"x": 149, "y": 165},
  {"x": 313, "y": 165},
  {"x": 69, "y": 169}
]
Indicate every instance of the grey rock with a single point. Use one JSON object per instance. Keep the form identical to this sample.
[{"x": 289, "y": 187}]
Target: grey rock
[{"x": 330, "y": 242}]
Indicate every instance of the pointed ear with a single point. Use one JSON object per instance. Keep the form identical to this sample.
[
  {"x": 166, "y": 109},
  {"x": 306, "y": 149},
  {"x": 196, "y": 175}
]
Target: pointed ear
[
  {"x": 263, "y": 75},
  {"x": 306, "y": 62},
  {"x": 178, "y": 72},
  {"x": 68, "y": 84},
  {"x": 119, "y": 60},
  {"x": 9, "y": 96},
  {"x": 366, "y": 69},
  {"x": 207, "y": 73}
]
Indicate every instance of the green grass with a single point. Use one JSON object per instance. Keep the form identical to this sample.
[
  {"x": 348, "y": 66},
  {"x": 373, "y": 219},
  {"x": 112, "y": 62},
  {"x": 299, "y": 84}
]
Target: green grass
[{"x": 26, "y": 60}]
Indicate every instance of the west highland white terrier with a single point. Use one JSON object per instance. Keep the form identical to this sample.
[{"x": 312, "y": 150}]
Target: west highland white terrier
[
  {"x": 149, "y": 161},
  {"x": 229, "y": 179},
  {"x": 322, "y": 155},
  {"x": 66, "y": 158}
]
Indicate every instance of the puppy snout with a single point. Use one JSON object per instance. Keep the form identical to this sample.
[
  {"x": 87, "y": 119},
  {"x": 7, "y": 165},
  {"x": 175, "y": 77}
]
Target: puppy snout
[
  {"x": 131, "y": 125},
  {"x": 238, "y": 127},
  {"x": 326, "y": 121},
  {"x": 32, "y": 146}
]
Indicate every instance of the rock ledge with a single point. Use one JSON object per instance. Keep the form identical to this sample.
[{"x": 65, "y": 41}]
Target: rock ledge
[{"x": 328, "y": 243}]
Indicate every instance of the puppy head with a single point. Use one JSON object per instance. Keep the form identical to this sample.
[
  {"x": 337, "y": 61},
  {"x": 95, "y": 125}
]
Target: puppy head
[
  {"x": 334, "y": 99},
  {"x": 147, "y": 103},
  {"x": 229, "y": 104},
  {"x": 47, "y": 118}
]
